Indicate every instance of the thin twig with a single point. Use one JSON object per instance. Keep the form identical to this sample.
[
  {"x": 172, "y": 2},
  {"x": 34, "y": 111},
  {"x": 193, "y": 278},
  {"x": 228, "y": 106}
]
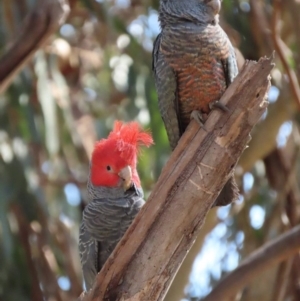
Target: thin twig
[{"x": 279, "y": 49}]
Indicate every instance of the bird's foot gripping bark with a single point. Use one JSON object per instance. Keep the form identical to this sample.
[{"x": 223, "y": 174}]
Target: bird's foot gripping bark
[
  {"x": 218, "y": 105},
  {"x": 213, "y": 105},
  {"x": 199, "y": 117}
]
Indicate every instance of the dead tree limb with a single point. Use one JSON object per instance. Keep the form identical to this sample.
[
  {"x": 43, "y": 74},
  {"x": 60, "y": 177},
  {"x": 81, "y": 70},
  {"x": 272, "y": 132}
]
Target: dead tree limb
[
  {"x": 181, "y": 279},
  {"x": 281, "y": 248},
  {"x": 146, "y": 259},
  {"x": 43, "y": 21}
]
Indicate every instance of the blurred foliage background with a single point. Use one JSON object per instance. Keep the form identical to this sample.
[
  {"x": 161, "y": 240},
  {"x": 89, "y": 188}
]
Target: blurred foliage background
[{"x": 96, "y": 68}]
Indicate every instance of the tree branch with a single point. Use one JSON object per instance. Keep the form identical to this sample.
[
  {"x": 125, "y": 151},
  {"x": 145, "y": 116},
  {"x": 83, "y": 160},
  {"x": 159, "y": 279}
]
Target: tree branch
[
  {"x": 285, "y": 246},
  {"x": 282, "y": 280},
  {"x": 293, "y": 81},
  {"x": 144, "y": 263},
  {"x": 181, "y": 280},
  {"x": 43, "y": 21},
  {"x": 264, "y": 135}
]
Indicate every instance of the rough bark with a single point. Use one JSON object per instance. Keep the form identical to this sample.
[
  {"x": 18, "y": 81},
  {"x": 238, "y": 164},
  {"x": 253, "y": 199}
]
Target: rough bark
[
  {"x": 145, "y": 261},
  {"x": 181, "y": 280},
  {"x": 43, "y": 21}
]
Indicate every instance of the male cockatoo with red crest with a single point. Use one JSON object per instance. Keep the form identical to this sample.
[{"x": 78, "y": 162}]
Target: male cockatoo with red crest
[{"x": 115, "y": 196}]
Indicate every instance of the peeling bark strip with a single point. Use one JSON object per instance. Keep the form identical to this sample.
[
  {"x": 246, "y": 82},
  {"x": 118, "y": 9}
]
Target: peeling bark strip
[
  {"x": 146, "y": 259},
  {"x": 43, "y": 21}
]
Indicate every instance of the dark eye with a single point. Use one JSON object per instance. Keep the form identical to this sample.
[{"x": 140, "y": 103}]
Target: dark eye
[{"x": 108, "y": 167}]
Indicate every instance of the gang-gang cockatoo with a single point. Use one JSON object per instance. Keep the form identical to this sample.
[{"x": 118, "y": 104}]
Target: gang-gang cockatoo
[
  {"x": 115, "y": 194},
  {"x": 193, "y": 63}
]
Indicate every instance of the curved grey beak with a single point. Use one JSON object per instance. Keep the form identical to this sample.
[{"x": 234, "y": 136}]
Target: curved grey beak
[{"x": 126, "y": 175}]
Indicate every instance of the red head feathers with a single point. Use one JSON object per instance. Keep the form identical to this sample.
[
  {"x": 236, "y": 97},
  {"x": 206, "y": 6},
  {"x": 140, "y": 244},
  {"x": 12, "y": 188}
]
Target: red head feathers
[{"x": 119, "y": 150}]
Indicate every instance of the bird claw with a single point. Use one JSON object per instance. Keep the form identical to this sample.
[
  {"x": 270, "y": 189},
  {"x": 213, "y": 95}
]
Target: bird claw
[
  {"x": 218, "y": 105},
  {"x": 198, "y": 116}
]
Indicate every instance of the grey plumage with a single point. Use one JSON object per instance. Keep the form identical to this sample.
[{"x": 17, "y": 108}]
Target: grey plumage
[
  {"x": 193, "y": 63},
  {"x": 105, "y": 220},
  {"x": 115, "y": 195}
]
